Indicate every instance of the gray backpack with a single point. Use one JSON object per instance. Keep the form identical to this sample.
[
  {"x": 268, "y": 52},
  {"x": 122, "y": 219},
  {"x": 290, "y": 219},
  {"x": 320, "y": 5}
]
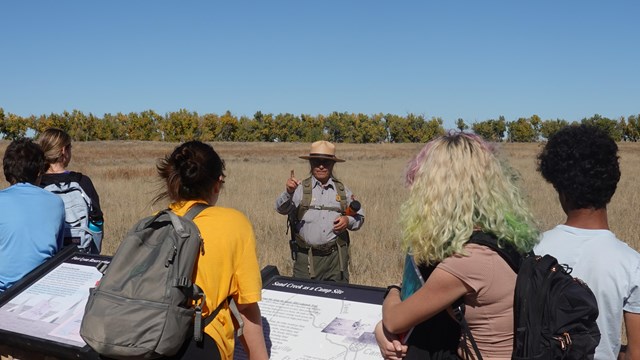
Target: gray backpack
[
  {"x": 77, "y": 208},
  {"x": 146, "y": 304}
]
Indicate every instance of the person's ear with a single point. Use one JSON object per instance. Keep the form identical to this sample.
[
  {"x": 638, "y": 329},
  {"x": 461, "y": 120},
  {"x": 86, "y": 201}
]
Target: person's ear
[{"x": 218, "y": 185}]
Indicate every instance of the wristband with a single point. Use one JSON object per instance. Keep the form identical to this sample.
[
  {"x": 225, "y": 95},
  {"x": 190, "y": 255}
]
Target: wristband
[{"x": 389, "y": 289}]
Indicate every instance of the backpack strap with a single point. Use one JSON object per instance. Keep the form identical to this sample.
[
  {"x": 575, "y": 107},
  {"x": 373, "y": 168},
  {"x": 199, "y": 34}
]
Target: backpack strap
[
  {"x": 342, "y": 194},
  {"x": 458, "y": 313},
  {"x": 305, "y": 203},
  {"x": 507, "y": 251},
  {"x": 512, "y": 257},
  {"x": 77, "y": 175},
  {"x": 233, "y": 307},
  {"x": 199, "y": 324},
  {"x": 195, "y": 210}
]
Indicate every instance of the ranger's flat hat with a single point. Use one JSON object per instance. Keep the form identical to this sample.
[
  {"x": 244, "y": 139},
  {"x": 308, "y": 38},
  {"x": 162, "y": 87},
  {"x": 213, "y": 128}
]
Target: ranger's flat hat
[{"x": 322, "y": 150}]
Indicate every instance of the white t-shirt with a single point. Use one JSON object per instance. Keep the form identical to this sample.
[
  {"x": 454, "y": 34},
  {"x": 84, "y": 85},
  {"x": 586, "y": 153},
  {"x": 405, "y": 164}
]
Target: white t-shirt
[{"x": 611, "y": 269}]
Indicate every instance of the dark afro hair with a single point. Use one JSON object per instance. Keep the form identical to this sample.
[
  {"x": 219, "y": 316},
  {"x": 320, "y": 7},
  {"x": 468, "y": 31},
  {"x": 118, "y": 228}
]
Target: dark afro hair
[{"x": 581, "y": 162}]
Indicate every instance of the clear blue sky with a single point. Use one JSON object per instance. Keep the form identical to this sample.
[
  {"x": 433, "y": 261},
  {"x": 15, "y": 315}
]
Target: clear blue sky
[{"x": 452, "y": 59}]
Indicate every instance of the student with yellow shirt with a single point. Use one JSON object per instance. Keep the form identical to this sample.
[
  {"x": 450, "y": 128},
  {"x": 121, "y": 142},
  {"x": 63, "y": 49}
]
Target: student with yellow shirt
[{"x": 193, "y": 173}]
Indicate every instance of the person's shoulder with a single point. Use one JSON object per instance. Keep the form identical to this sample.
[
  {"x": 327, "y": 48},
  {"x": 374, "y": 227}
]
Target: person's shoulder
[
  {"x": 68, "y": 176},
  {"x": 79, "y": 177},
  {"x": 556, "y": 236},
  {"x": 51, "y": 197},
  {"x": 558, "y": 229},
  {"x": 48, "y": 179},
  {"x": 48, "y": 196},
  {"x": 226, "y": 213},
  {"x": 624, "y": 249}
]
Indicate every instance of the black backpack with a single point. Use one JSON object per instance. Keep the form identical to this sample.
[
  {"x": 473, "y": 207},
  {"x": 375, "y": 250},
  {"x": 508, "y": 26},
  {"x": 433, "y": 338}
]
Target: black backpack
[{"x": 554, "y": 313}]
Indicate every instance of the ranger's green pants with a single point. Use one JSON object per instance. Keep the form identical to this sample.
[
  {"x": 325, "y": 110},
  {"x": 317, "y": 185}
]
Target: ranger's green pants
[{"x": 326, "y": 267}]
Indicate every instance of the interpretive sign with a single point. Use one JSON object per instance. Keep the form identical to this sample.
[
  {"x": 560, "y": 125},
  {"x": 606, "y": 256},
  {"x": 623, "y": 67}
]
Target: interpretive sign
[
  {"x": 306, "y": 319},
  {"x": 48, "y": 311},
  {"x": 303, "y": 319}
]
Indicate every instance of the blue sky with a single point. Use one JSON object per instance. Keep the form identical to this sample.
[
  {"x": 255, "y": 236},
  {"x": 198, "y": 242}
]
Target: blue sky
[{"x": 452, "y": 59}]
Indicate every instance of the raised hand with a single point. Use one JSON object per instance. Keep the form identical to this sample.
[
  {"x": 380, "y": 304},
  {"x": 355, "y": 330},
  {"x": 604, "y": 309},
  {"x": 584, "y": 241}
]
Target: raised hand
[{"x": 292, "y": 183}]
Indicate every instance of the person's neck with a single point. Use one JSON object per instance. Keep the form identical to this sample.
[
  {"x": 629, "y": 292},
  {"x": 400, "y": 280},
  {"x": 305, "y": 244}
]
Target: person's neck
[
  {"x": 590, "y": 219},
  {"x": 55, "y": 168}
]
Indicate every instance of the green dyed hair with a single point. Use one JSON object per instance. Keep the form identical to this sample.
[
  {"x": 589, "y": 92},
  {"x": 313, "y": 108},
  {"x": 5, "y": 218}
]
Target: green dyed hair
[{"x": 458, "y": 185}]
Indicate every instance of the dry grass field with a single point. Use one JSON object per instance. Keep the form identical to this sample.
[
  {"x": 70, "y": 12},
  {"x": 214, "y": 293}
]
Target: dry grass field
[{"x": 124, "y": 175}]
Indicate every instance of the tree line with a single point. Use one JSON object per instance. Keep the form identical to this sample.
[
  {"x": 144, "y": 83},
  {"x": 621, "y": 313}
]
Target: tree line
[{"x": 341, "y": 127}]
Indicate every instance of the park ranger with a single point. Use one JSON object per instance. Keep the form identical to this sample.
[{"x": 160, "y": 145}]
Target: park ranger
[{"x": 321, "y": 211}]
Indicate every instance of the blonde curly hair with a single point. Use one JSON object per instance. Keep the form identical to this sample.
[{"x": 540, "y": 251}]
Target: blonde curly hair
[{"x": 458, "y": 185}]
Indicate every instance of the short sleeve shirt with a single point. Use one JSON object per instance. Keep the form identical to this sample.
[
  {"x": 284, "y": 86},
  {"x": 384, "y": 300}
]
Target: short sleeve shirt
[
  {"x": 609, "y": 267},
  {"x": 489, "y": 306},
  {"x": 228, "y": 267}
]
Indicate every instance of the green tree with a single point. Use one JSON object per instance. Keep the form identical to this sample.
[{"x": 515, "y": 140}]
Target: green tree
[
  {"x": 610, "y": 126},
  {"x": 228, "y": 127},
  {"x": 144, "y": 126},
  {"x": 266, "y": 127},
  {"x": 312, "y": 128},
  {"x": 287, "y": 127},
  {"x": 108, "y": 128},
  {"x": 371, "y": 128},
  {"x": 335, "y": 126},
  {"x": 432, "y": 129},
  {"x": 416, "y": 127},
  {"x": 461, "y": 125},
  {"x": 550, "y": 127},
  {"x": 536, "y": 122},
  {"x": 79, "y": 126},
  {"x": 247, "y": 130},
  {"x": 491, "y": 130},
  {"x": 211, "y": 126},
  {"x": 521, "y": 130},
  {"x": 180, "y": 126},
  {"x": 398, "y": 128},
  {"x": 13, "y": 126},
  {"x": 52, "y": 120},
  {"x": 349, "y": 128},
  {"x": 632, "y": 128}
]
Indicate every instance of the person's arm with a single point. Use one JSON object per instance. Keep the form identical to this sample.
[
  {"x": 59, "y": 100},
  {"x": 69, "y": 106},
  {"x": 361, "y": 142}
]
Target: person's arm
[
  {"x": 286, "y": 202},
  {"x": 356, "y": 221},
  {"x": 632, "y": 326},
  {"x": 389, "y": 344},
  {"x": 87, "y": 185},
  {"x": 440, "y": 291},
  {"x": 252, "y": 337}
]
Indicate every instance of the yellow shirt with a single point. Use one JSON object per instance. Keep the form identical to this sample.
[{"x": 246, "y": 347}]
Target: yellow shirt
[{"x": 229, "y": 266}]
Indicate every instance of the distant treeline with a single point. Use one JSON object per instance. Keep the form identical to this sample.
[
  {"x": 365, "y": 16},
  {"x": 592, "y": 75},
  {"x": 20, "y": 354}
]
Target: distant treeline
[{"x": 338, "y": 127}]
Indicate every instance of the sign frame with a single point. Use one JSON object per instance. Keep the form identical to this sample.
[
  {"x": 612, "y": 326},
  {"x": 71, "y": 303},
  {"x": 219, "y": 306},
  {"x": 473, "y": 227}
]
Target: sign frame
[{"x": 33, "y": 344}]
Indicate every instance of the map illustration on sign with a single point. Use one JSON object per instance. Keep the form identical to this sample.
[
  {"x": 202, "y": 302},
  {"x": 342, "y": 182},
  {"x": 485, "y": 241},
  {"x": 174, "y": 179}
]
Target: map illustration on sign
[{"x": 309, "y": 321}]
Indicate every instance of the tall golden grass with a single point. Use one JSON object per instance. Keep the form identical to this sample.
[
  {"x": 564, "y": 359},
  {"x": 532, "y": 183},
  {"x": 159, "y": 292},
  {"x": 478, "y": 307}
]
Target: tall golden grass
[{"x": 124, "y": 175}]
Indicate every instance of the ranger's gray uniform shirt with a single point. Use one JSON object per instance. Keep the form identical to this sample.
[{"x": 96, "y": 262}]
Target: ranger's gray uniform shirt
[{"x": 316, "y": 226}]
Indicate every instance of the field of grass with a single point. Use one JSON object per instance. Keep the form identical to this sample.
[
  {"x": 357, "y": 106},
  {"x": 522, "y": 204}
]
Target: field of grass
[{"x": 124, "y": 175}]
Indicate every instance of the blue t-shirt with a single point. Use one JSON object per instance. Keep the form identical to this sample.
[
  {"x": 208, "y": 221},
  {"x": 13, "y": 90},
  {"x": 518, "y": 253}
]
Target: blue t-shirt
[
  {"x": 31, "y": 230},
  {"x": 611, "y": 269}
]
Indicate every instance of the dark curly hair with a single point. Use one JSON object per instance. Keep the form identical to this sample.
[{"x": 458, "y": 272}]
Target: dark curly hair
[
  {"x": 581, "y": 162},
  {"x": 190, "y": 172},
  {"x": 23, "y": 162}
]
